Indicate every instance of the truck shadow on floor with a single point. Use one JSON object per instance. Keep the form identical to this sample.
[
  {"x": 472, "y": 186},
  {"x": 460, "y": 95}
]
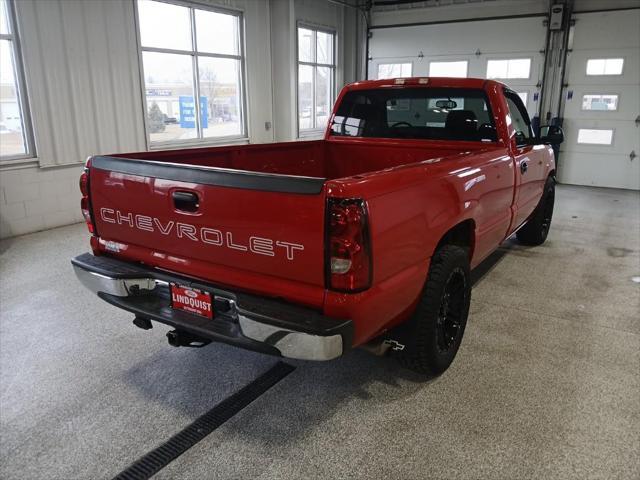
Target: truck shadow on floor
[{"x": 300, "y": 402}]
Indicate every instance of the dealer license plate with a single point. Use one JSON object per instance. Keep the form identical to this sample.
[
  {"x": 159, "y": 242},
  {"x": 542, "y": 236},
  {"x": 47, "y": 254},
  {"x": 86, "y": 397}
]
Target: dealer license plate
[{"x": 191, "y": 300}]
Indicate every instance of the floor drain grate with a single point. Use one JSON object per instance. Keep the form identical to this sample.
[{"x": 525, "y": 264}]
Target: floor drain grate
[{"x": 157, "y": 459}]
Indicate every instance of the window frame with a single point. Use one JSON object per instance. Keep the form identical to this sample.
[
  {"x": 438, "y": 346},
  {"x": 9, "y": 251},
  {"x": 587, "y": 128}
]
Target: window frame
[
  {"x": 393, "y": 63},
  {"x": 498, "y": 59},
  {"x": 200, "y": 140},
  {"x": 522, "y": 109},
  {"x": 314, "y": 131},
  {"x": 582, "y": 109},
  {"x": 13, "y": 36},
  {"x": 591, "y": 75},
  {"x": 592, "y": 144}
]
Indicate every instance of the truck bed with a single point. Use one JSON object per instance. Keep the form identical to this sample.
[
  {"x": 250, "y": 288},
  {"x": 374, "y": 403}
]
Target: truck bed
[{"x": 320, "y": 159}]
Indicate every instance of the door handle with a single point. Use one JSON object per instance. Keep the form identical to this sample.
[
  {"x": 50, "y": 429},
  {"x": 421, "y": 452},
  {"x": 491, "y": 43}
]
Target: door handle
[
  {"x": 185, "y": 201},
  {"x": 632, "y": 155},
  {"x": 524, "y": 166}
]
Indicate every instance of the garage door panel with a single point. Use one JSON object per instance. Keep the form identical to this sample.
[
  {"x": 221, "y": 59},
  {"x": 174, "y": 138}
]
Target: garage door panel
[
  {"x": 624, "y": 137},
  {"x": 525, "y": 35},
  {"x": 608, "y": 35},
  {"x": 577, "y": 67},
  {"x": 594, "y": 30},
  {"x": 601, "y": 170}
]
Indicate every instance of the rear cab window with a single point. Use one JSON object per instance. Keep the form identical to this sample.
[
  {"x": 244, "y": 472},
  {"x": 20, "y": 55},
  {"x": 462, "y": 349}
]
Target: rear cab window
[{"x": 416, "y": 113}]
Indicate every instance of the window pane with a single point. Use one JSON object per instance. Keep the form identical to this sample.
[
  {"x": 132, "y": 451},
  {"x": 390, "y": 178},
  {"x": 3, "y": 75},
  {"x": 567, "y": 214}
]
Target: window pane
[
  {"x": 220, "y": 95},
  {"x": 518, "y": 121},
  {"x": 419, "y": 113},
  {"x": 600, "y": 102},
  {"x": 163, "y": 25},
  {"x": 605, "y": 66},
  {"x": 394, "y": 70},
  {"x": 305, "y": 45},
  {"x": 448, "y": 69},
  {"x": 4, "y": 17},
  {"x": 325, "y": 47},
  {"x": 519, "y": 68},
  {"x": 595, "y": 136},
  {"x": 323, "y": 96},
  {"x": 168, "y": 79},
  {"x": 217, "y": 32},
  {"x": 510, "y": 68},
  {"x": 305, "y": 96},
  {"x": 497, "y": 68},
  {"x": 12, "y": 141}
]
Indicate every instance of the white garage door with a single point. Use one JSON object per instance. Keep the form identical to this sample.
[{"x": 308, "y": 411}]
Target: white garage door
[
  {"x": 467, "y": 49},
  {"x": 602, "y": 102}
]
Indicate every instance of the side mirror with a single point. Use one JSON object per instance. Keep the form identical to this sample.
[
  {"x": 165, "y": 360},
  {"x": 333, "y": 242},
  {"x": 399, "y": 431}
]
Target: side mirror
[{"x": 551, "y": 134}]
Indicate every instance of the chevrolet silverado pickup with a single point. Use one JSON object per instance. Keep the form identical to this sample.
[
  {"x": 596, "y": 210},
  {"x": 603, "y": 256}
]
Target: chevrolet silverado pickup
[{"x": 308, "y": 249}]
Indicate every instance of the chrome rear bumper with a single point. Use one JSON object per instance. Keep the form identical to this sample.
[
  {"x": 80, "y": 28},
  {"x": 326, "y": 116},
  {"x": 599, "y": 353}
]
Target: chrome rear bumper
[{"x": 244, "y": 320}]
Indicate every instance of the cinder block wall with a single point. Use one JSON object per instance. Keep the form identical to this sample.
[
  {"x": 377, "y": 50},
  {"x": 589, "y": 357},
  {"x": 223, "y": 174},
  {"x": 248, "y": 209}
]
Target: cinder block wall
[{"x": 33, "y": 199}]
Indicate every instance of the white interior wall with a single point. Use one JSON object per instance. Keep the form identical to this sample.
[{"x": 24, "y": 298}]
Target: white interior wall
[
  {"x": 85, "y": 96},
  {"x": 285, "y": 15}
]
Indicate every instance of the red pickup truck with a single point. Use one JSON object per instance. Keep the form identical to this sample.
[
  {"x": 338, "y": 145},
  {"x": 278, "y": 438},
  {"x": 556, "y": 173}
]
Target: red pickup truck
[{"x": 307, "y": 249}]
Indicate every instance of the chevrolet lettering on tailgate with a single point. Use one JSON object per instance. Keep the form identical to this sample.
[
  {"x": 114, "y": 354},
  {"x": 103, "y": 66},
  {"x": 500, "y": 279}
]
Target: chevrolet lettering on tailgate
[{"x": 211, "y": 236}]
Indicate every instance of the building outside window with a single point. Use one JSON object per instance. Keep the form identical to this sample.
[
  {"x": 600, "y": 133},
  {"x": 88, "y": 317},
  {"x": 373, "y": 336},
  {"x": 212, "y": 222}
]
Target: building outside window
[
  {"x": 316, "y": 78},
  {"x": 190, "y": 53},
  {"x": 16, "y": 141}
]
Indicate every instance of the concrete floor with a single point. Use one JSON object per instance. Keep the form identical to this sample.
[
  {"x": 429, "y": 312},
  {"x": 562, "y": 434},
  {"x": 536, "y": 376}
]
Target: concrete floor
[{"x": 546, "y": 383}]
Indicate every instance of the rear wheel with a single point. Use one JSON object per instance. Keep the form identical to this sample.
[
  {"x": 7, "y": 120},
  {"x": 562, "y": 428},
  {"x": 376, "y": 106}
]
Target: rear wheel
[
  {"x": 535, "y": 231},
  {"x": 434, "y": 333}
]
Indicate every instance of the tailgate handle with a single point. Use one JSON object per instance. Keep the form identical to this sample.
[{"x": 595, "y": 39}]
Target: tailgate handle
[{"x": 185, "y": 201}]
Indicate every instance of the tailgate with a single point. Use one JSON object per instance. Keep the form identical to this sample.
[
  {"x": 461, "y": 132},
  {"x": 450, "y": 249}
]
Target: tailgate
[{"x": 271, "y": 226}]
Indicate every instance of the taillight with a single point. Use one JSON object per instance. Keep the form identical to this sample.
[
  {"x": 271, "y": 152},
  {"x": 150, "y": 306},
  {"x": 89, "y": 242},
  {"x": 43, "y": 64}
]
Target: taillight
[
  {"x": 348, "y": 248},
  {"x": 84, "y": 183},
  {"x": 85, "y": 202}
]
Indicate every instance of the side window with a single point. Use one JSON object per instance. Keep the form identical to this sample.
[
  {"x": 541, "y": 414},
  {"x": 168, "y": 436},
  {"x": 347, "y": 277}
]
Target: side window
[{"x": 519, "y": 119}]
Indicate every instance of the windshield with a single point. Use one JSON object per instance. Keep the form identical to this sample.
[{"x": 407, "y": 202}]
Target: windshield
[{"x": 416, "y": 113}]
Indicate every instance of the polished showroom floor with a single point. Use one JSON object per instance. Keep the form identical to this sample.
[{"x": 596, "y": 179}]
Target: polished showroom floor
[{"x": 546, "y": 383}]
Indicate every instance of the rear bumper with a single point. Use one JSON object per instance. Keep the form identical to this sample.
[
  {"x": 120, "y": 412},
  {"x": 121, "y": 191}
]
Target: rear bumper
[{"x": 243, "y": 320}]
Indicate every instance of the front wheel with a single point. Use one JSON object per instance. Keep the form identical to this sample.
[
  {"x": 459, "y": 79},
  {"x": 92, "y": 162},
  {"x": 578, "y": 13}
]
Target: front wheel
[
  {"x": 434, "y": 333},
  {"x": 535, "y": 231}
]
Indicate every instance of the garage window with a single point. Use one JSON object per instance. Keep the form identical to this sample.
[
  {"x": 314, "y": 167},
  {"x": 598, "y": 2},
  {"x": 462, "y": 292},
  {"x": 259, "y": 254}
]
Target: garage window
[
  {"x": 509, "y": 68},
  {"x": 394, "y": 70},
  {"x": 605, "y": 66},
  {"x": 595, "y": 136},
  {"x": 448, "y": 69},
  {"x": 607, "y": 103},
  {"x": 191, "y": 53},
  {"x": 316, "y": 78},
  {"x": 15, "y": 127}
]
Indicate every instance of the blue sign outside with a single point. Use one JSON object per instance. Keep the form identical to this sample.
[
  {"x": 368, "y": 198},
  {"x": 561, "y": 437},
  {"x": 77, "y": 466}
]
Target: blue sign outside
[{"x": 188, "y": 112}]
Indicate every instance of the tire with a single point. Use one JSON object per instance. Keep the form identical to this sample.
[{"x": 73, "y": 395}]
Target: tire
[
  {"x": 535, "y": 231},
  {"x": 433, "y": 334}
]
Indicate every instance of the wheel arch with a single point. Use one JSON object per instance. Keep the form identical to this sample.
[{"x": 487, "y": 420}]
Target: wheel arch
[{"x": 462, "y": 234}]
